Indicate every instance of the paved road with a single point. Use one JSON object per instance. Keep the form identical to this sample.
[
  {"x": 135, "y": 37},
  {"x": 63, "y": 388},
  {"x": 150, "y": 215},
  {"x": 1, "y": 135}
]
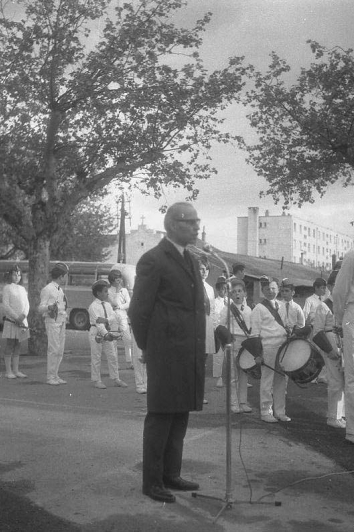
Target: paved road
[{"x": 70, "y": 459}]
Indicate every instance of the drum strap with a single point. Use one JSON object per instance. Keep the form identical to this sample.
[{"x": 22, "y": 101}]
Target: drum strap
[
  {"x": 329, "y": 304},
  {"x": 239, "y": 319},
  {"x": 274, "y": 313}
]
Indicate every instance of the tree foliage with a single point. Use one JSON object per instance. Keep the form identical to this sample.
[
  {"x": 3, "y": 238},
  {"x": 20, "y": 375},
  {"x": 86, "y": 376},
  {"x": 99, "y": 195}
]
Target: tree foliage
[
  {"x": 88, "y": 234},
  {"x": 78, "y": 112},
  {"x": 305, "y": 130}
]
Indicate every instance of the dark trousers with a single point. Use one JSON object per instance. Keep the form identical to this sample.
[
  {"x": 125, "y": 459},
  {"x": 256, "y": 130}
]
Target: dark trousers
[{"x": 163, "y": 446}]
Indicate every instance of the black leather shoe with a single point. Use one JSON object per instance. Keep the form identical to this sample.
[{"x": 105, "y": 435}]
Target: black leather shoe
[
  {"x": 159, "y": 494},
  {"x": 178, "y": 483}
]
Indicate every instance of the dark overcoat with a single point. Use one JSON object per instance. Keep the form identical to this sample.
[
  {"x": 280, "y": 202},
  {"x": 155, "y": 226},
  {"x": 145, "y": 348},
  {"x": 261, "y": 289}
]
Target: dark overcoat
[{"x": 168, "y": 321}]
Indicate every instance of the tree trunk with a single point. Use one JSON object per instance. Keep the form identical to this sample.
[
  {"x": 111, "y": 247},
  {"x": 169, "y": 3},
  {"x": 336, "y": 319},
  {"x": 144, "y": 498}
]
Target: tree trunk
[{"x": 38, "y": 276}]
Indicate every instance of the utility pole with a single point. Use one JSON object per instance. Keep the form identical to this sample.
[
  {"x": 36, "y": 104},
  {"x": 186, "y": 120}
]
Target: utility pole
[{"x": 122, "y": 256}]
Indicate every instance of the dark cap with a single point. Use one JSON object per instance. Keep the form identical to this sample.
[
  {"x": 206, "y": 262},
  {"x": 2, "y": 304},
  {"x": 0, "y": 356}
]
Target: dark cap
[
  {"x": 61, "y": 267},
  {"x": 264, "y": 280},
  {"x": 220, "y": 280},
  {"x": 100, "y": 284},
  {"x": 237, "y": 266},
  {"x": 319, "y": 282},
  {"x": 235, "y": 282}
]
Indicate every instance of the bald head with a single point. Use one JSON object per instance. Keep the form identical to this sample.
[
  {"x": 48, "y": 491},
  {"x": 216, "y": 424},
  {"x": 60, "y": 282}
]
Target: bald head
[{"x": 182, "y": 223}]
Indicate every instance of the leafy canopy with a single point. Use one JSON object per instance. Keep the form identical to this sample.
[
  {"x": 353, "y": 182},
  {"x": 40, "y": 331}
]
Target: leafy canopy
[
  {"x": 305, "y": 131},
  {"x": 80, "y": 109}
]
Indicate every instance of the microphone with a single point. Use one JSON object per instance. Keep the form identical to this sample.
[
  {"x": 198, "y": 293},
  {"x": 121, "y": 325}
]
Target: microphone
[{"x": 208, "y": 249}]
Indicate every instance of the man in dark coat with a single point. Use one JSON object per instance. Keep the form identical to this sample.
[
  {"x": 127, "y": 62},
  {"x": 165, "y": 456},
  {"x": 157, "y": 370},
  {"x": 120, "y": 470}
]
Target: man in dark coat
[{"x": 168, "y": 321}]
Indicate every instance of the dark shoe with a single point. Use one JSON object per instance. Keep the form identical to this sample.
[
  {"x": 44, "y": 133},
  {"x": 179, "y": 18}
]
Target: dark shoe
[
  {"x": 178, "y": 483},
  {"x": 159, "y": 494}
]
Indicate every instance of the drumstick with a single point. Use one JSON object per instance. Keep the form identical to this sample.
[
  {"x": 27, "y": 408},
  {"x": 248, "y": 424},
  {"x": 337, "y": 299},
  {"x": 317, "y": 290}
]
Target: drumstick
[{"x": 276, "y": 370}]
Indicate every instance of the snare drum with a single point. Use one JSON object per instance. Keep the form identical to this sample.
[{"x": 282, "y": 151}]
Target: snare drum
[
  {"x": 245, "y": 361},
  {"x": 300, "y": 360}
]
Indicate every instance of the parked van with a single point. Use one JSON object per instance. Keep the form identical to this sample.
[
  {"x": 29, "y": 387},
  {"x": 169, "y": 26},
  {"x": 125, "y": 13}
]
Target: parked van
[{"x": 78, "y": 288}]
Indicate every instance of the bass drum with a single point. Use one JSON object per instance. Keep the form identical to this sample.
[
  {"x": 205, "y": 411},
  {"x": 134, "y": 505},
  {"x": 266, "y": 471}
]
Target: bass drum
[
  {"x": 245, "y": 361},
  {"x": 300, "y": 360}
]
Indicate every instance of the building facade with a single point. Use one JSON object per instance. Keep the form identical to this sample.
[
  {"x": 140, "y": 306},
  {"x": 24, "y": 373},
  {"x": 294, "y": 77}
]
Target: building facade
[{"x": 290, "y": 238}]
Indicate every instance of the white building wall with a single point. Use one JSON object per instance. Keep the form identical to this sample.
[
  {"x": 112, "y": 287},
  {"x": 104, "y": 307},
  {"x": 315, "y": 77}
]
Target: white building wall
[
  {"x": 242, "y": 235},
  {"x": 141, "y": 240},
  {"x": 275, "y": 237},
  {"x": 292, "y": 238}
]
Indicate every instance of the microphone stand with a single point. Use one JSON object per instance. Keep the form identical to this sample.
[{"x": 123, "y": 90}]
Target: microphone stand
[{"x": 228, "y": 500}]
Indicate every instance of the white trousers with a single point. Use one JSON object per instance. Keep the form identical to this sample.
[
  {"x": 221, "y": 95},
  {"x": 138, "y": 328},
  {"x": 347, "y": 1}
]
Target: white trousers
[
  {"x": 56, "y": 342},
  {"x": 348, "y": 350},
  {"x": 239, "y": 378},
  {"x": 335, "y": 389},
  {"x": 218, "y": 359},
  {"x": 127, "y": 338},
  {"x": 273, "y": 385},
  {"x": 106, "y": 348},
  {"x": 139, "y": 368}
]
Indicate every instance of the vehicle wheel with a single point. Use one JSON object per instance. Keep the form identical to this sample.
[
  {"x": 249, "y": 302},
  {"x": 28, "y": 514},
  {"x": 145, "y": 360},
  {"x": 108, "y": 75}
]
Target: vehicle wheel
[{"x": 79, "y": 319}]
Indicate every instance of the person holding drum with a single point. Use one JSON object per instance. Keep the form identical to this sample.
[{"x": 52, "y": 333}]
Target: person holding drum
[
  {"x": 219, "y": 304},
  {"x": 311, "y": 303},
  {"x": 267, "y": 322},
  {"x": 240, "y": 316},
  {"x": 325, "y": 337}
]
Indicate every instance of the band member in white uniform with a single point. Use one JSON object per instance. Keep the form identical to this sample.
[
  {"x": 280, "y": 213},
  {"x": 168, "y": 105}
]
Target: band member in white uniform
[
  {"x": 324, "y": 321},
  {"x": 240, "y": 317},
  {"x": 102, "y": 318},
  {"x": 267, "y": 322},
  {"x": 218, "y": 357},
  {"x": 53, "y": 307}
]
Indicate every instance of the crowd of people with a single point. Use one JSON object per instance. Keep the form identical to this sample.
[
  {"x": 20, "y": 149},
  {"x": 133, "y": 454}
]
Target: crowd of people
[{"x": 174, "y": 320}]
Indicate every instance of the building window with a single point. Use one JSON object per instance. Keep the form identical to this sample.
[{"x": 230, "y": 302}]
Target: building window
[
  {"x": 314, "y": 233},
  {"x": 309, "y": 231},
  {"x": 294, "y": 228},
  {"x": 260, "y": 225}
]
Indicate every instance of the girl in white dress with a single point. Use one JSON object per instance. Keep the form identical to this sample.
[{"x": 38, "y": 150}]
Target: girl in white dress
[
  {"x": 119, "y": 298},
  {"x": 16, "y": 307},
  {"x": 209, "y": 306}
]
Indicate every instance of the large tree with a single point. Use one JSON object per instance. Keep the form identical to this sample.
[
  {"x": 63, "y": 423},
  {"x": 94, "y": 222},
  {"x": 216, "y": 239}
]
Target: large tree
[
  {"x": 304, "y": 130},
  {"x": 78, "y": 111}
]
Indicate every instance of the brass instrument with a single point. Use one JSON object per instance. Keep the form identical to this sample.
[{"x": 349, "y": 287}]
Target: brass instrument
[{"x": 108, "y": 337}]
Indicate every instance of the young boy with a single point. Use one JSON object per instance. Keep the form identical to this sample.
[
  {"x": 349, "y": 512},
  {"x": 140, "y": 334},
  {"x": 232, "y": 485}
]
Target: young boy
[
  {"x": 239, "y": 328},
  {"x": 53, "y": 307},
  {"x": 219, "y": 303},
  {"x": 294, "y": 316},
  {"x": 267, "y": 322},
  {"x": 102, "y": 320}
]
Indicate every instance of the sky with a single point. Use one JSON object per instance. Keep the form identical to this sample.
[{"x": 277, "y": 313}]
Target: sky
[{"x": 255, "y": 28}]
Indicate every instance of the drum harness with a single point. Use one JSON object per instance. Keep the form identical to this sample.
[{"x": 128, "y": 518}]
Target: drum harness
[
  {"x": 274, "y": 312},
  {"x": 242, "y": 324}
]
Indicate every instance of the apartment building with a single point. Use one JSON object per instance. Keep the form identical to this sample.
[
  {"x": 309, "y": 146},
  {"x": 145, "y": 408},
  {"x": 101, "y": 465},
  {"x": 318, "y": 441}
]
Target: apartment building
[{"x": 290, "y": 238}]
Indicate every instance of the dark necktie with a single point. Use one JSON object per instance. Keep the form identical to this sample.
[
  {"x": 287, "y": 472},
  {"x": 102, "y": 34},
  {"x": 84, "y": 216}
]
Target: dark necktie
[
  {"x": 287, "y": 308},
  {"x": 105, "y": 315},
  {"x": 276, "y": 306}
]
